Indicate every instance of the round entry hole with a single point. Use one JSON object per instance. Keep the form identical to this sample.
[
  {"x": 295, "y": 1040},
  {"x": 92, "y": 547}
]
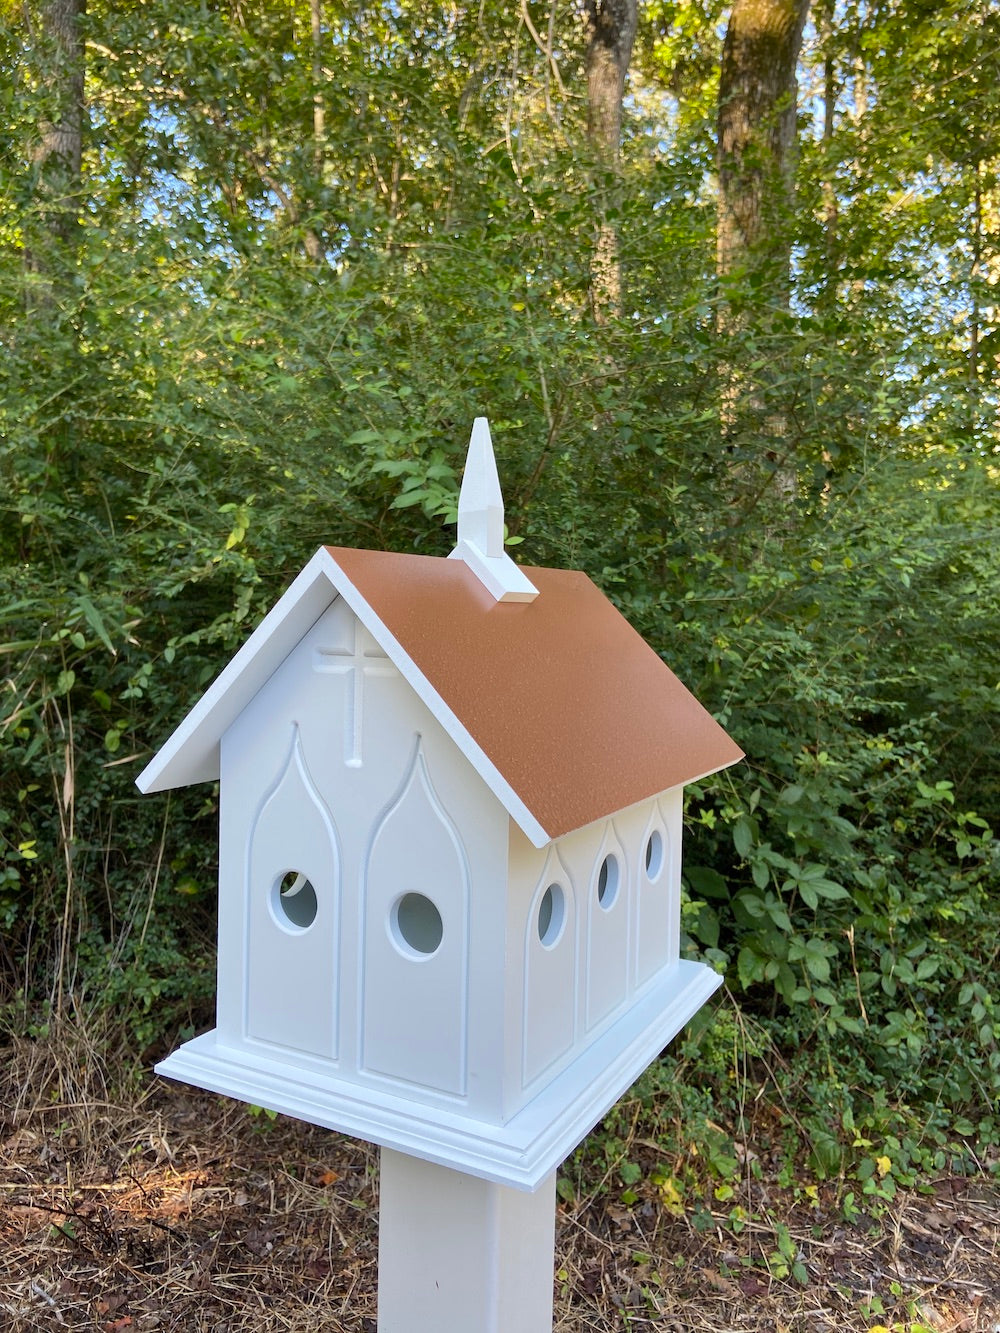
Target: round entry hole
[
  {"x": 417, "y": 924},
  {"x": 607, "y": 882},
  {"x": 295, "y": 900},
  {"x": 551, "y": 914}
]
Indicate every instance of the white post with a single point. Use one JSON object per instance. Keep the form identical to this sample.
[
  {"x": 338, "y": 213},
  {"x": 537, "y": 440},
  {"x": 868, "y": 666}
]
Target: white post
[{"x": 457, "y": 1254}]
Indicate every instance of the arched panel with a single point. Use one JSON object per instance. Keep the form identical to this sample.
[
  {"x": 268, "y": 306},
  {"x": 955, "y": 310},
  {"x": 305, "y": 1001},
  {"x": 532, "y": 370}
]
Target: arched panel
[
  {"x": 293, "y": 916},
  {"x": 655, "y": 903},
  {"x": 416, "y": 930},
  {"x": 550, "y": 971},
  {"x": 608, "y": 910}
]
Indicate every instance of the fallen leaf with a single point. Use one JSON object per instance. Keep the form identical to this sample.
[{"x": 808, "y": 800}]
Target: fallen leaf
[
  {"x": 670, "y": 1197},
  {"x": 752, "y": 1286},
  {"x": 721, "y": 1283}
]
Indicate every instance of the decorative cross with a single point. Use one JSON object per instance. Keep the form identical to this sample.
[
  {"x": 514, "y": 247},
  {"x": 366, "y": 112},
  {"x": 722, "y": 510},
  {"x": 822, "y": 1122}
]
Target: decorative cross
[{"x": 355, "y": 663}]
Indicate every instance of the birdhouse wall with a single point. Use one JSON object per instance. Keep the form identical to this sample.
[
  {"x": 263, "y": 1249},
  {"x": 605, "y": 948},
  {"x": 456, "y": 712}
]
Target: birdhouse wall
[
  {"x": 592, "y": 920},
  {"x": 362, "y": 881}
]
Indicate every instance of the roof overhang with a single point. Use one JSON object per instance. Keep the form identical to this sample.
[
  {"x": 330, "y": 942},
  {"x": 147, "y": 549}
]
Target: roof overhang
[{"x": 192, "y": 753}]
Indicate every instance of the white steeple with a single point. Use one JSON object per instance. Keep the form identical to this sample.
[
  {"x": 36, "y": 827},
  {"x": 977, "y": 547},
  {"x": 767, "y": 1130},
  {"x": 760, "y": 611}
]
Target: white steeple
[{"x": 480, "y": 524}]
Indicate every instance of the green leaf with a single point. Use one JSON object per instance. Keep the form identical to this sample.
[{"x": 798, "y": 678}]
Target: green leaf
[
  {"x": 93, "y": 618},
  {"x": 753, "y": 905},
  {"x": 791, "y": 794},
  {"x": 817, "y": 965},
  {"x": 630, "y": 1172},
  {"x": 749, "y": 966},
  {"x": 409, "y": 498},
  {"x": 706, "y": 882},
  {"x": 826, "y": 888},
  {"x": 743, "y": 836},
  {"x": 565, "y": 1190}
]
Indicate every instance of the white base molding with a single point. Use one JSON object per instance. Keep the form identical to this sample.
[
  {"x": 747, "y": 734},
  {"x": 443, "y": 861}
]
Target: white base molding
[{"x": 521, "y": 1153}]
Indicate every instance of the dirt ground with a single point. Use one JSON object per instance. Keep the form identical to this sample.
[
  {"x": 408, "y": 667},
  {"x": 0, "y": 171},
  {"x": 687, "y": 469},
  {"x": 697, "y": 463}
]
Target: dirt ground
[{"x": 186, "y": 1213}]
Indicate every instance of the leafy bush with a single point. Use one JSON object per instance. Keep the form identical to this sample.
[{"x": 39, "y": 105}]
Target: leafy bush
[{"x": 799, "y": 511}]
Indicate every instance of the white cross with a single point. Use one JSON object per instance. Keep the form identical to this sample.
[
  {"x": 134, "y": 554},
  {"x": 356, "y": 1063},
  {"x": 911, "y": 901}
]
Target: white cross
[{"x": 355, "y": 663}]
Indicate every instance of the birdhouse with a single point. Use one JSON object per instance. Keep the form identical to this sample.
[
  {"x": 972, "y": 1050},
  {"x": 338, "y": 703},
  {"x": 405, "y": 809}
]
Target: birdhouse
[{"x": 449, "y": 852}]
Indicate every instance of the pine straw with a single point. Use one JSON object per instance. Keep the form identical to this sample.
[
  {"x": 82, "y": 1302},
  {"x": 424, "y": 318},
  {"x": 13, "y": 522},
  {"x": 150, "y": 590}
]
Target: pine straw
[{"x": 183, "y": 1212}]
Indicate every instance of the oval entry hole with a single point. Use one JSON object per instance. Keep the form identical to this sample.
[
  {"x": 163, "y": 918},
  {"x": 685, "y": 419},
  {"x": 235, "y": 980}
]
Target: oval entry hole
[
  {"x": 654, "y": 854},
  {"x": 551, "y": 914},
  {"x": 417, "y": 924},
  {"x": 296, "y": 900},
  {"x": 607, "y": 882}
]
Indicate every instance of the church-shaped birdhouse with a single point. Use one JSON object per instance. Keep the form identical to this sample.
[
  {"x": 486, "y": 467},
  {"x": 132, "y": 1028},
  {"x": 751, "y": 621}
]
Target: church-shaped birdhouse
[{"x": 449, "y": 851}]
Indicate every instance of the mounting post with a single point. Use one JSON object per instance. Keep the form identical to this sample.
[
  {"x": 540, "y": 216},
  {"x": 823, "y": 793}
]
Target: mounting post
[{"x": 458, "y": 1254}]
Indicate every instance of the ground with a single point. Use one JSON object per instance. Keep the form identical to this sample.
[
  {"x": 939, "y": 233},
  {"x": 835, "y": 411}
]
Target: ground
[{"x": 187, "y": 1213}]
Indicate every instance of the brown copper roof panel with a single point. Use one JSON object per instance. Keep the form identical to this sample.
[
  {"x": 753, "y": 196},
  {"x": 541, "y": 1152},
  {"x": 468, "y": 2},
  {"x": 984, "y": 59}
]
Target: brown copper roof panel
[{"x": 573, "y": 707}]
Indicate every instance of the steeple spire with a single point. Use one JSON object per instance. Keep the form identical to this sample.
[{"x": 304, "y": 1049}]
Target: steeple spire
[{"x": 480, "y": 523}]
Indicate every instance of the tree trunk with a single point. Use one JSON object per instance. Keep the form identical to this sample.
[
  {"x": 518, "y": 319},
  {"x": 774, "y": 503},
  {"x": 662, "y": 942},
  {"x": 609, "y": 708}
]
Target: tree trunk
[
  {"x": 611, "y": 28},
  {"x": 757, "y": 108},
  {"x": 830, "y": 92},
  {"x": 975, "y": 275},
  {"x": 59, "y": 152},
  {"x": 756, "y": 158},
  {"x": 313, "y": 244}
]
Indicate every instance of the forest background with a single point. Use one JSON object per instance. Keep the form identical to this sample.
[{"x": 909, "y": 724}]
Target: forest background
[{"x": 725, "y": 280}]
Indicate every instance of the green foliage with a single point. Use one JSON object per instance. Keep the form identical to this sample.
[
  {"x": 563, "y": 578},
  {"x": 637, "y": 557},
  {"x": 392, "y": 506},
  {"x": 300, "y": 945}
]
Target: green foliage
[
  {"x": 852, "y": 879},
  {"x": 271, "y": 336}
]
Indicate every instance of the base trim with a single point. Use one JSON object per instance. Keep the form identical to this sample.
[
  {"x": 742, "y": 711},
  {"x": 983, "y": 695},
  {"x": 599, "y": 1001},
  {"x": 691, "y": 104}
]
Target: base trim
[{"x": 522, "y": 1152}]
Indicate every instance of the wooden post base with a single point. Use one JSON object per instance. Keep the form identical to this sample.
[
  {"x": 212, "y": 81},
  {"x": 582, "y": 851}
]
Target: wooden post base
[{"x": 457, "y": 1254}]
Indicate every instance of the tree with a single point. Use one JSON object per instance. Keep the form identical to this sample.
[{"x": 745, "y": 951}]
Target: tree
[
  {"x": 757, "y": 111},
  {"x": 896, "y": 219},
  {"x": 58, "y": 152},
  {"x": 756, "y": 135},
  {"x": 611, "y": 29}
]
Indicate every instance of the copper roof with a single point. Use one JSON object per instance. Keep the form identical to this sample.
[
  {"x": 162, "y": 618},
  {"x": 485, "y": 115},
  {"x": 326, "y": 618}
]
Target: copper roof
[{"x": 575, "y": 710}]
